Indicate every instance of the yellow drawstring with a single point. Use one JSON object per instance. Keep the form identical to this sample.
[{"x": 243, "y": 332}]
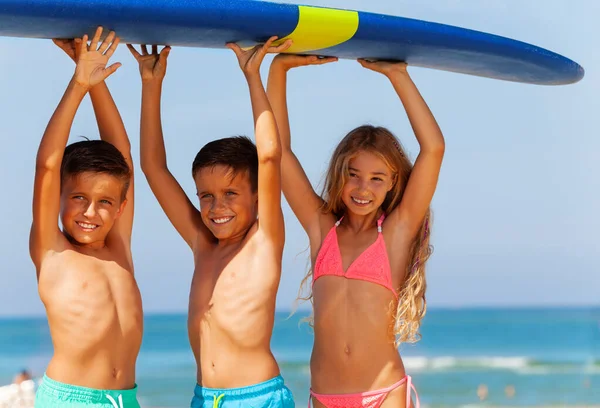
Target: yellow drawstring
[{"x": 217, "y": 400}]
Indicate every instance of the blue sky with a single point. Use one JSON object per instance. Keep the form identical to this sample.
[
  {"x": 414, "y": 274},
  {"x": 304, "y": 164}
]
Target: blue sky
[{"x": 515, "y": 212}]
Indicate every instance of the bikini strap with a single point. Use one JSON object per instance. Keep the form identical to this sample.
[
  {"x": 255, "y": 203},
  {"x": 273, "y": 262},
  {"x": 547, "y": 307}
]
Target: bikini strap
[
  {"x": 380, "y": 223},
  {"x": 409, "y": 388}
]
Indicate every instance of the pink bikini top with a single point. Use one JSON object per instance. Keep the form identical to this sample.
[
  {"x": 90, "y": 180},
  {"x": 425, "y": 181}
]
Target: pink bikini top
[{"x": 373, "y": 265}]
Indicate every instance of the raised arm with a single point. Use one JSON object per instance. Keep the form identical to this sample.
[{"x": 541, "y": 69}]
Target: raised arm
[
  {"x": 298, "y": 191},
  {"x": 171, "y": 197},
  {"x": 90, "y": 70},
  {"x": 268, "y": 145},
  {"x": 424, "y": 176},
  {"x": 112, "y": 130}
]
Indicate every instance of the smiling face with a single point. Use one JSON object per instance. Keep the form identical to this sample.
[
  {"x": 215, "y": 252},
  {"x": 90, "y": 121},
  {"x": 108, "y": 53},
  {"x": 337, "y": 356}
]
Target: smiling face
[
  {"x": 368, "y": 181},
  {"x": 90, "y": 204},
  {"x": 228, "y": 205}
]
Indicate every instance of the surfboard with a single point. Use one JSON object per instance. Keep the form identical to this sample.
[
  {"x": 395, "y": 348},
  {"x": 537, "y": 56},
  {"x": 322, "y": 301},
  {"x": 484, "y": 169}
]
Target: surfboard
[{"x": 315, "y": 30}]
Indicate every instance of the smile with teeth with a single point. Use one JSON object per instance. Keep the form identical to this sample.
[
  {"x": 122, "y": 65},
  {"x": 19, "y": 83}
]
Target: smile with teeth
[
  {"x": 222, "y": 220},
  {"x": 362, "y": 202},
  {"x": 87, "y": 226}
]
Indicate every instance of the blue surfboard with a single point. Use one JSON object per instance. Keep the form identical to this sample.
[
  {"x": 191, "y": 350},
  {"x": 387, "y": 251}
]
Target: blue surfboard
[{"x": 314, "y": 30}]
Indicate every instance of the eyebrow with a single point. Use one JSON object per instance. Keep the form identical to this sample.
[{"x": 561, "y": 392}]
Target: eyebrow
[
  {"x": 376, "y": 173},
  {"x": 108, "y": 198}
]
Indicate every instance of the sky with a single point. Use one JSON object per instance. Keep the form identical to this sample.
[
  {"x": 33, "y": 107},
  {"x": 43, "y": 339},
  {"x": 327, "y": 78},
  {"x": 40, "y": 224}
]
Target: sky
[{"x": 515, "y": 212}]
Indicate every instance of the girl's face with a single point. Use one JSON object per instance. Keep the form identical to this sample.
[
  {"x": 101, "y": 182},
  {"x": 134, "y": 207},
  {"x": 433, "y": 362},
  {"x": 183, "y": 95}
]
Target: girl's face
[{"x": 368, "y": 181}]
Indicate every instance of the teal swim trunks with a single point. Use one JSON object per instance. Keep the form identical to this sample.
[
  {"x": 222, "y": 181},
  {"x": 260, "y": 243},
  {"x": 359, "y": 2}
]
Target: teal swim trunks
[
  {"x": 53, "y": 394},
  {"x": 268, "y": 394}
]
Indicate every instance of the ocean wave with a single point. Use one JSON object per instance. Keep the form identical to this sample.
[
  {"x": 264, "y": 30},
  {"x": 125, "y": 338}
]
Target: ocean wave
[
  {"x": 516, "y": 364},
  {"x": 519, "y": 364}
]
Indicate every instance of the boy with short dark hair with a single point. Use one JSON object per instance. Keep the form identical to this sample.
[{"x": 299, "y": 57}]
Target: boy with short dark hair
[
  {"x": 85, "y": 271},
  {"x": 237, "y": 240}
]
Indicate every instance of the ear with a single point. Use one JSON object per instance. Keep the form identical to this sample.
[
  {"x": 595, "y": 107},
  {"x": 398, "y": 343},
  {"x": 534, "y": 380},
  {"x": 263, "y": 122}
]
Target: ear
[{"x": 121, "y": 208}]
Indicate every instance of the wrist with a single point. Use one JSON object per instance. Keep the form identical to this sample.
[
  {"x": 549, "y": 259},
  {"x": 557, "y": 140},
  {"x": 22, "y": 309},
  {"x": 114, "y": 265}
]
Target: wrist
[
  {"x": 78, "y": 87},
  {"x": 152, "y": 83},
  {"x": 400, "y": 74},
  {"x": 253, "y": 78},
  {"x": 278, "y": 66}
]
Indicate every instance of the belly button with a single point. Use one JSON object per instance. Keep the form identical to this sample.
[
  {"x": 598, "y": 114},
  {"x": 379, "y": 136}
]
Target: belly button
[
  {"x": 347, "y": 350},
  {"x": 115, "y": 373}
]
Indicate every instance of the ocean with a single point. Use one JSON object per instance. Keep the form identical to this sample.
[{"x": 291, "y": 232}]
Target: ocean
[{"x": 467, "y": 357}]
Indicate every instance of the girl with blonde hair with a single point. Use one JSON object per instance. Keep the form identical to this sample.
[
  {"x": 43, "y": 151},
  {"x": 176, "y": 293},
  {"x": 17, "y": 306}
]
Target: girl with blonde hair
[{"x": 369, "y": 242}]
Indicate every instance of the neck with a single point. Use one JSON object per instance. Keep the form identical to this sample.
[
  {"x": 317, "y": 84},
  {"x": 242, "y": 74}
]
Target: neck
[
  {"x": 92, "y": 246},
  {"x": 234, "y": 240},
  {"x": 358, "y": 223}
]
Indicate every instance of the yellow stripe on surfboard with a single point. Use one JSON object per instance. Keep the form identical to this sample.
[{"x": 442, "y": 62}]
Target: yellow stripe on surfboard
[{"x": 319, "y": 28}]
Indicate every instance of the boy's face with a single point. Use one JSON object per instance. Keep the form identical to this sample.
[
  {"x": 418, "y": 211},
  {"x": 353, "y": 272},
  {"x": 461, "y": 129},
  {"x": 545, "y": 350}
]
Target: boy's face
[
  {"x": 90, "y": 203},
  {"x": 228, "y": 205}
]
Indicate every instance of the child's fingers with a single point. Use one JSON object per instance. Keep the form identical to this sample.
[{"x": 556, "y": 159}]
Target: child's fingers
[
  {"x": 107, "y": 41},
  {"x": 95, "y": 39},
  {"x": 154, "y": 49},
  {"x": 133, "y": 51},
  {"x": 144, "y": 49},
  {"x": 108, "y": 71},
  {"x": 367, "y": 64},
  {"x": 164, "y": 53},
  {"x": 269, "y": 42},
  {"x": 113, "y": 47},
  {"x": 281, "y": 47},
  {"x": 268, "y": 47},
  {"x": 321, "y": 61},
  {"x": 235, "y": 48},
  {"x": 83, "y": 46}
]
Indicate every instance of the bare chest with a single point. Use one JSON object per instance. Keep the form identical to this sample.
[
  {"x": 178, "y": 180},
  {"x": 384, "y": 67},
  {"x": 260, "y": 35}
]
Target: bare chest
[
  {"x": 226, "y": 283},
  {"x": 75, "y": 286}
]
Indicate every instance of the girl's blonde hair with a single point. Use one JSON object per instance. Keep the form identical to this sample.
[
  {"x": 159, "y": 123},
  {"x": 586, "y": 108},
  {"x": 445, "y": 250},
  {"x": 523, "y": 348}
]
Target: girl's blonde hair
[{"x": 381, "y": 142}]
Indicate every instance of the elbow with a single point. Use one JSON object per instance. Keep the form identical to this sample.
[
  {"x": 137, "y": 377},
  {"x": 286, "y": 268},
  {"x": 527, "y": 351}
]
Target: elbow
[
  {"x": 147, "y": 167},
  {"x": 51, "y": 163},
  {"x": 269, "y": 152},
  {"x": 144, "y": 165},
  {"x": 270, "y": 155},
  {"x": 125, "y": 148},
  {"x": 151, "y": 167},
  {"x": 438, "y": 148}
]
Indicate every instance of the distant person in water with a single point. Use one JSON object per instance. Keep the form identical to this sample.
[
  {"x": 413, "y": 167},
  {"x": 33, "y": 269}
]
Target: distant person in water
[{"x": 23, "y": 376}]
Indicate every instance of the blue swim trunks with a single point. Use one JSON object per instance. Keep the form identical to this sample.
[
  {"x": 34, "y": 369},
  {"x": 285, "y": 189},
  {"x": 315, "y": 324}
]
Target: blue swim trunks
[
  {"x": 268, "y": 394},
  {"x": 54, "y": 394}
]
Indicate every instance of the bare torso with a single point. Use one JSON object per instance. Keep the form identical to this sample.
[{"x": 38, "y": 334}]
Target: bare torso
[
  {"x": 354, "y": 347},
  {"x": 95, "y": 316},
  {"x": 231, "y": 312}
]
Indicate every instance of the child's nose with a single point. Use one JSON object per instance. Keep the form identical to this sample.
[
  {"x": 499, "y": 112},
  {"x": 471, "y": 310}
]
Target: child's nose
[
  {"x": 218, "y": 203},
  {"x": 362, "y": 185},
  {"x": 90, "y": 211}
]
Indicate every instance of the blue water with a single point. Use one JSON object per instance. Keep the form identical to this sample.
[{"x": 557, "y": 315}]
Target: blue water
[{"x": 550, "y": 357}]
